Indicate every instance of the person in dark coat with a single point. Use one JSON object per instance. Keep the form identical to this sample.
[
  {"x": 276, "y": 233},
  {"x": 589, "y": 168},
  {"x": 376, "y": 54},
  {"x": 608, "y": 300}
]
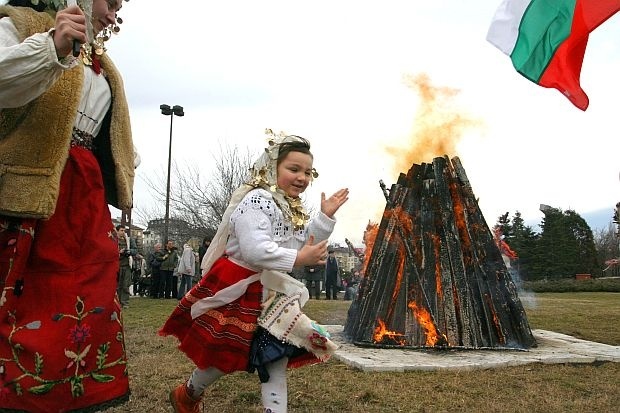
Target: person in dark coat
[
  {"x": 154, "y": 262},
  {"x": 203, "y": 248},
  {"x": 313, "y": 274},
  {"x": 331, "y": 276},
  {"x": 167, "y": 270}
]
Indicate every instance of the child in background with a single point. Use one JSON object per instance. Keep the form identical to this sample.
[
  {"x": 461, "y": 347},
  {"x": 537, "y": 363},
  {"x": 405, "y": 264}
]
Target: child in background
[{"x": 245, "y": 313}]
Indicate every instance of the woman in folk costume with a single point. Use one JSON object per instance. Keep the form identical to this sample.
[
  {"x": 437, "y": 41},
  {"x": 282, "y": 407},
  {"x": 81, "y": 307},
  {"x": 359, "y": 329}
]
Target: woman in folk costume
[
  {"x": 65, "y": 153},
  {"x": 245, "y": 313}
]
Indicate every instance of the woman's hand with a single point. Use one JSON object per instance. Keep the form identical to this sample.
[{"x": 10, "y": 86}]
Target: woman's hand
[
  {"x": 330, "y": 205},
  {"x": 70, "y": 25},
  {"x": 311, "y": 254}
]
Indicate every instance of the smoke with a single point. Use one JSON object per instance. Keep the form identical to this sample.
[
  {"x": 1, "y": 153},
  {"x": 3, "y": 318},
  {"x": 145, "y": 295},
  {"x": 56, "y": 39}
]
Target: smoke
[
  {"x": 438, "y": 125},
  {"x": 527, "y": 297}
]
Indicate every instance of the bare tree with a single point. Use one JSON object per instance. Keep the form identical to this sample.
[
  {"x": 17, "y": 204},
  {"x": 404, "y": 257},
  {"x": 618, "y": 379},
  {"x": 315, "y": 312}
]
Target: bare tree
[
  {"x": 606, "y": 242},
  {"x": 197, "y": 199}
]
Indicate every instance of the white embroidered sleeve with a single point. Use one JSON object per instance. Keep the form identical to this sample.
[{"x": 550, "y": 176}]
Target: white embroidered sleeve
[
  {"x": 321, "y": 227},
  {"x": 253, "y": 230},
  {"x": 27, "y": 69}
]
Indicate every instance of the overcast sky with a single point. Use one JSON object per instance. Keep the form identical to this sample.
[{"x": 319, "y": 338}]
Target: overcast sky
[{"x": 347, "y": 75}]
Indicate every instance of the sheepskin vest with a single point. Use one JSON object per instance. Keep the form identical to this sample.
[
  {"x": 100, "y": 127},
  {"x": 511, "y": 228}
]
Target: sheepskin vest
[{"x": 35, "y": 139}]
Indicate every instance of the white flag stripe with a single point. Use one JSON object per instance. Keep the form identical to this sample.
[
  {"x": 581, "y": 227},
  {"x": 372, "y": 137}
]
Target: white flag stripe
[{"x": 504, "y": 28}]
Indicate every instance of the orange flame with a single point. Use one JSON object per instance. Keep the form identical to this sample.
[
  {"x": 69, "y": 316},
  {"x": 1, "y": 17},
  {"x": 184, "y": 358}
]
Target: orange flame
[
  {"x": 438, "y": 126},
  {"x": 504, "y": 248},
  {"x": 425, "y": 321},
  {"x": 382, "y": 333},
  {"x": 496, "y": 322},
  {"x": 405, "y": 222},
  {"x": 461, "y": 225},
  {"x": 370, "y": 235},
  {"x": 404, "y": 219}
]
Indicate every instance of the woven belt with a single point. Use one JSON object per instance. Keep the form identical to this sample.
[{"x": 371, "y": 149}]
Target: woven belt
[{"x": 82, "y": 139}]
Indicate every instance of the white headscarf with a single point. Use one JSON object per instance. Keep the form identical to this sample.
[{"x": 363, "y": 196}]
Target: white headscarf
[{"x": 264, "y": 174}]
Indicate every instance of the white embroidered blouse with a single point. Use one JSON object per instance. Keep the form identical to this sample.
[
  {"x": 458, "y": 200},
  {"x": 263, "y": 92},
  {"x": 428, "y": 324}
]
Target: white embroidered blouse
[{"x": 262, "y": 239}]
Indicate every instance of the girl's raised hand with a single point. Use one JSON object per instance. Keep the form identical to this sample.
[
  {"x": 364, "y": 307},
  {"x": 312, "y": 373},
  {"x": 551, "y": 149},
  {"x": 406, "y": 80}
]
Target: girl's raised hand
[{"x": 330, "y": 205}]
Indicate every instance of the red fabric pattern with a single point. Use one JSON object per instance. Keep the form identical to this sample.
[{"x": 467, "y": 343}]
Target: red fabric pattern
[
  {"x": 221, "y": 337},
  {"x": 61, "y": 333}
]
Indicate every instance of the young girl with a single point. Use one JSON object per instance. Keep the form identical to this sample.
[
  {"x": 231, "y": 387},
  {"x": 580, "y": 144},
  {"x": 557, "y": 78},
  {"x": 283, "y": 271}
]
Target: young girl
[{"x": 245, "y": 313}]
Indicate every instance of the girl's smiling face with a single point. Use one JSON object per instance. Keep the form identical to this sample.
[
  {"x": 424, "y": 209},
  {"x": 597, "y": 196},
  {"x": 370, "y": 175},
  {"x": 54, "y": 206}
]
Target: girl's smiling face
[{"x": 295, "y": 173}]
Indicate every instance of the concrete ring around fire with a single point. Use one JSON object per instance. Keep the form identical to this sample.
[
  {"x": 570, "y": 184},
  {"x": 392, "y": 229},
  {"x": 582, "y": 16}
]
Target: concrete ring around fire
[{"x": 553, "y": 348}]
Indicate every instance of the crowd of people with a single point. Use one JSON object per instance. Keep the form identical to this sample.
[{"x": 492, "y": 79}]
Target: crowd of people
[
  {"x": 147, "y": 280},
  {"x": 330, "y": 279},
  {"x": 164, "y": 273}
]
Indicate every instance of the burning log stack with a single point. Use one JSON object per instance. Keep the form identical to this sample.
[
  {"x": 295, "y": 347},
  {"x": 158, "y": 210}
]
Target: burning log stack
[{"x": 434, "y": 277}]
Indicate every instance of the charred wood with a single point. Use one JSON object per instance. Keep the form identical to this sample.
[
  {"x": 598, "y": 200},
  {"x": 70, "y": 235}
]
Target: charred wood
[{"x": 435, "y": 277}]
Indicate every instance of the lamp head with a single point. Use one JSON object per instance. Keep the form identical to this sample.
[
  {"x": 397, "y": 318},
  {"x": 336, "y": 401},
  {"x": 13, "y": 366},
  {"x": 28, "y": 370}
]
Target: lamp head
[
  {"x": 178, "y": 110},
  {"x": 165, "y": 110}
]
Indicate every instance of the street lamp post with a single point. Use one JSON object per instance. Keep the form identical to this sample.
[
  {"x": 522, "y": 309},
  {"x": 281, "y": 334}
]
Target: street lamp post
[{"x": 169, "y": 111}]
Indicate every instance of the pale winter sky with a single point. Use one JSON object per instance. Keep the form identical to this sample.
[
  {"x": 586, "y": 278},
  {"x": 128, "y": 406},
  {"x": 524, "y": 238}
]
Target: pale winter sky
[{"x": 347, "y": 75}]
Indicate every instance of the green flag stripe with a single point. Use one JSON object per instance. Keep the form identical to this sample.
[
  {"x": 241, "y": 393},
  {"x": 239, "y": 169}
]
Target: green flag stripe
[{"x": 544, "y": 26}]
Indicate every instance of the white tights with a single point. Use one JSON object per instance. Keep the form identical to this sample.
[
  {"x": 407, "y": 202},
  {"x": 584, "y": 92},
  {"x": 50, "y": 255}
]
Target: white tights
[
  {"x": 201, "y": 379},
  {"x": 274, "y": 392}
]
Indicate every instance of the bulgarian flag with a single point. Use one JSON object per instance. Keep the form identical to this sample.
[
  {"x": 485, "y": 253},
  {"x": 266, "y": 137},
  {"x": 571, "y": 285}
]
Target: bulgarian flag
[{"x": 546, "y": 39}]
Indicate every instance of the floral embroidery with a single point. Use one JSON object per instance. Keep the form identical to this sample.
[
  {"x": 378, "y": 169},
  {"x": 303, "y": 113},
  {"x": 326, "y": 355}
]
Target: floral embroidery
[
  {"x": 318, "y": 341},
  {"x": 79, "y": 334},
  {"x": 82, "y": 363},
  {"x": 18, "y": 286},
  {"x": 262, "y": 201},
  {"x": 319, "y": 337}
]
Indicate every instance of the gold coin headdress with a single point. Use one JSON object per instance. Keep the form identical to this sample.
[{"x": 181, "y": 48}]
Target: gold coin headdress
[{"x": 264, "y": 174}]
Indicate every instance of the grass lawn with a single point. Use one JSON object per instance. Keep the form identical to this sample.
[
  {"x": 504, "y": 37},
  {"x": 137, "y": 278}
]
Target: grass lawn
[{"x": 155, "y": 366}]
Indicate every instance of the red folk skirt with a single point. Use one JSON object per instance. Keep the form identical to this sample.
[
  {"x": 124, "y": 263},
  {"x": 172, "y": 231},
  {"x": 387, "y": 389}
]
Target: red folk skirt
[
  {"x": 61, "y": 334},
  {"x": 222, "y": 336}
]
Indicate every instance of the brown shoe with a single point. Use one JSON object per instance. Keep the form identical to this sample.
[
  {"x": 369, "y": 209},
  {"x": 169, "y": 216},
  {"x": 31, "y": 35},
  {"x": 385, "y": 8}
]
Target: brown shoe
[{"x": 182, "y": 402}]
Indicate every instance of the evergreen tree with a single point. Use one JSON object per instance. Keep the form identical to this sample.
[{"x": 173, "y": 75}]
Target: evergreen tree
[
  {"x": 523, "y": 241},
  {"x": 586, "y": 257},
  {"x": 503, "y": 222},
  {"x": 566, "y": 245}
]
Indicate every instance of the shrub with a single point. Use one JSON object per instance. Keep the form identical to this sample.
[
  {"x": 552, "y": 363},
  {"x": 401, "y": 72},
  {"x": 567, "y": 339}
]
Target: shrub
[{"x": 573, "y": 286}]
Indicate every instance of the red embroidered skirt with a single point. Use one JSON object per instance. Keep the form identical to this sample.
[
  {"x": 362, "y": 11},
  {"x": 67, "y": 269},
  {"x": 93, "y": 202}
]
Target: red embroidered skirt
[
  {"x": 222, "y": 336},
  {"x": 61, "y": 335}
]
